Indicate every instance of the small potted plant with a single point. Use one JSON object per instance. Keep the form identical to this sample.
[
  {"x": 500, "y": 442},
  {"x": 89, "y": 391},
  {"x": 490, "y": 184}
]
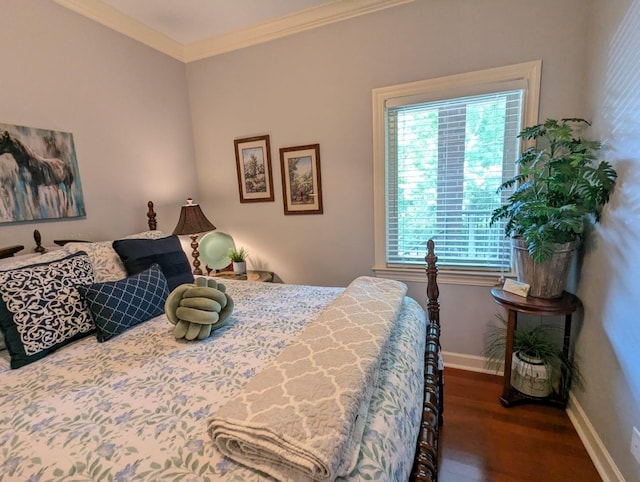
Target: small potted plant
[
  {"x": 238, "y": 257},
  {"x": 557, "y": 193},
  {"x": 536, "y": 359}
]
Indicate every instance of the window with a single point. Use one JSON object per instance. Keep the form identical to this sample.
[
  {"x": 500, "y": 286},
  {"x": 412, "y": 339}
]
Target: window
[{"x": 441, "y": 149}]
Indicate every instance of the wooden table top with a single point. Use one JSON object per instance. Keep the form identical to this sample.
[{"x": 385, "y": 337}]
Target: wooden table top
[
  {"x": 566, "y": 304},
  {"x": 250, "y": 275}
]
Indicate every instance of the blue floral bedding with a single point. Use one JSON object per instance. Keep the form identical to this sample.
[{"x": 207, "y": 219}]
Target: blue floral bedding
[{"x": 136, "y": 407}]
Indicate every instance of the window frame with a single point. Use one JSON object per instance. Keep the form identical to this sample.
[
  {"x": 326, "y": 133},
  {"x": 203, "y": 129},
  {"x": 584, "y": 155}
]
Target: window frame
[{"x": 451, "y": 86}]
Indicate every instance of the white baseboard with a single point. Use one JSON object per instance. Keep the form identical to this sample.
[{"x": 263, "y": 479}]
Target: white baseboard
[
  {"x": 472, "y": 363},
  {"x": 599, "y": 454}
]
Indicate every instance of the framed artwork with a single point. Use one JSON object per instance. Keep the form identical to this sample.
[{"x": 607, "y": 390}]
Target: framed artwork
[
  {"x": 253, "y": 163},
  {"x": 301, "y": 187},
  {"x": 39, "y": 177}
]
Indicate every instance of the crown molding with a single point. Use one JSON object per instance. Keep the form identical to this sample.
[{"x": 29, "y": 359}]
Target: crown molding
[
  {"x": 298, "y": 22},
  {"x": 110, "y": 17}
]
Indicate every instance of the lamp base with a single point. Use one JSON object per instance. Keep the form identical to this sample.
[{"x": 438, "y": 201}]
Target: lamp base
[{"x": 195, "y": 254}]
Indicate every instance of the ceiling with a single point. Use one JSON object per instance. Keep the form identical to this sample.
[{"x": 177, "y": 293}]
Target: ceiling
[
  {"x": 194, "y": 20},
  {"x": 191, "y": 30}
]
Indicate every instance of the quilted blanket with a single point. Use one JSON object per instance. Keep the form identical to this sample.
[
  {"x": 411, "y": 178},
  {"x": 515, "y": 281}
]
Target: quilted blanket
[{"x": 303, "y": 416}]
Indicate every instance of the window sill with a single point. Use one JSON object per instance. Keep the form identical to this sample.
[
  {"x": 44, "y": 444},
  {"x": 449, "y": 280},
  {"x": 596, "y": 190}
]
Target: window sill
[{"x": 445, "y": 277}]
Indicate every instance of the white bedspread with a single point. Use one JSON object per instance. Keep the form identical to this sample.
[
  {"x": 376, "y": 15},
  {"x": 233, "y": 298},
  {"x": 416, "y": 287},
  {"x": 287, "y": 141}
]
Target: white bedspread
[{"x": 136, "y": 407}]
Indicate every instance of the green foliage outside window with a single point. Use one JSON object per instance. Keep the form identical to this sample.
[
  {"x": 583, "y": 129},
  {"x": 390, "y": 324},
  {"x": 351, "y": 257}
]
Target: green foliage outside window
[{"x": 450, "y": 161}]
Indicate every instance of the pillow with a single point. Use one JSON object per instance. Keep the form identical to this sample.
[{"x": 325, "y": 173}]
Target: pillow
[
  {"x": 107, "y": 265},
  {"x": 157, "y": 234},
  {"x": 41, "y": 308},
  {"x": 29, "y": 259},
  {"x": 119, "y": 305},
  {"x": 140, "y": 254}
]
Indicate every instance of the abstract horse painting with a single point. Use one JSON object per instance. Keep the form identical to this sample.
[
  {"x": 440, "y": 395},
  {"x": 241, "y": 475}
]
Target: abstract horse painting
[{"x": 39, "y": 176}]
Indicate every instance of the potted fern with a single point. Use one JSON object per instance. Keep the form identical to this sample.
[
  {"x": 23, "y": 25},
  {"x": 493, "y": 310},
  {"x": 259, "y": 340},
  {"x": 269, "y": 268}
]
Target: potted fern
[
  {"x": 538, "y": 365},
  {"x": 558, "y": 191},
  {"x": 238, "y": 257}
]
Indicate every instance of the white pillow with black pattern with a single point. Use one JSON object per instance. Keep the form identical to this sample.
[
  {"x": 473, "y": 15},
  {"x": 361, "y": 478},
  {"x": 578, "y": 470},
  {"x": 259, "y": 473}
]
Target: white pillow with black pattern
[{"x": 41, "y": 309}]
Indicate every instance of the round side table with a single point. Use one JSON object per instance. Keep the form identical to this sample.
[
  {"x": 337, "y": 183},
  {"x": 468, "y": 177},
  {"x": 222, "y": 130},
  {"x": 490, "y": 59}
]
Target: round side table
[{"x": 514, "y": 304}]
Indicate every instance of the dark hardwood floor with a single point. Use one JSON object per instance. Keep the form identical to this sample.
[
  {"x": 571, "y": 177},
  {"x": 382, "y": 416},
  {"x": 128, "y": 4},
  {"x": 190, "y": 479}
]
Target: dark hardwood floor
[{"x": 483, "y": 441}]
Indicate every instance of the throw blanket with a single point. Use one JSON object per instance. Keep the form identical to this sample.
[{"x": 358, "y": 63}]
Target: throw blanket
[{"x": 302, "y": 417}]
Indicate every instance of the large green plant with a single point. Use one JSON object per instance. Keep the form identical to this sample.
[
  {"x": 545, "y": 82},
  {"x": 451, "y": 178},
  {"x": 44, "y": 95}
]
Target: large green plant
[{"x": 559, "y": 189}]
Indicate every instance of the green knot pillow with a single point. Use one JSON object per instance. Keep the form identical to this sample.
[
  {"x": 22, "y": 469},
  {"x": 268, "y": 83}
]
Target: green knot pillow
[{"x": 197, "y": 309}]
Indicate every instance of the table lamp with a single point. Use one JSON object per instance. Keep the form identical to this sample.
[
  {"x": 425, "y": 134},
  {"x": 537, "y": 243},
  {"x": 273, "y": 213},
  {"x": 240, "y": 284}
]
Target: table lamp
[{"x": 193, "y": 222}]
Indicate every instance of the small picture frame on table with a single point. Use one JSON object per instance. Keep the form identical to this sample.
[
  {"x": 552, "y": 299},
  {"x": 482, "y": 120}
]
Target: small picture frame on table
[
  {"x": 301, "y": 183},
  {"x": 253, "y": 164}
]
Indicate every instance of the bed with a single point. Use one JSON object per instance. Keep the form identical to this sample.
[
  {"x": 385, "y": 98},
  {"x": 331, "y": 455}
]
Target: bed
[{"x": 145, "y": 405}]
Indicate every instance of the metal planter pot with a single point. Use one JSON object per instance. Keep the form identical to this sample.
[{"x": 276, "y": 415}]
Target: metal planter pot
[
  {"x": 239, "y": 267},
  {"x": 530, "y": 376},
  {"x": 548, "y": 279}
]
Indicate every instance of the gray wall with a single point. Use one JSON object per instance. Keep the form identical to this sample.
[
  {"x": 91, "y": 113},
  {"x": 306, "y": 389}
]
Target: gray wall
[
  {"x": 315, "y": 87},
  {"x": 125, "y": 104},
  {"x": 609, "y": 284}
]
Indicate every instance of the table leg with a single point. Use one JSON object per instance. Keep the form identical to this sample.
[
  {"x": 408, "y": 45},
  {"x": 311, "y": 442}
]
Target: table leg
[
  {"x": 512, "y": 322},
  {"x": 565, "y": 380}
]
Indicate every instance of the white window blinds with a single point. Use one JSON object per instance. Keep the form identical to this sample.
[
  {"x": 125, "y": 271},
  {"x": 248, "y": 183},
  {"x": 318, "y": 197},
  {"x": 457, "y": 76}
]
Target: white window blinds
[{"x": 444, "y": 162}]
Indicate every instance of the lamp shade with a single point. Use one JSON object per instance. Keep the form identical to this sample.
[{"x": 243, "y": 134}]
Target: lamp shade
[{"x": 192, "y": 220}]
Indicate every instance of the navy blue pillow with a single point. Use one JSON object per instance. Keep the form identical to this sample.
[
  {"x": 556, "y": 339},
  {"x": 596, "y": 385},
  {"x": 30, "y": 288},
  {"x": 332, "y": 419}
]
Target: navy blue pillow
[
  {"x": 117, "y": 306},
  {"x": 139, "y": 254}
]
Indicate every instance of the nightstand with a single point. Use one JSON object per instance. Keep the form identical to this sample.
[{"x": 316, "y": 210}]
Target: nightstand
[
  {"x": 563, "y": 306},
  {"x": 250, "y": 275}
]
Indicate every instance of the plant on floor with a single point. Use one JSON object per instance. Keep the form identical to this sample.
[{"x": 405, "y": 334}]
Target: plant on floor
[
  {"x": 558, "y": 189},
  {"x": 532, "y": 345}
]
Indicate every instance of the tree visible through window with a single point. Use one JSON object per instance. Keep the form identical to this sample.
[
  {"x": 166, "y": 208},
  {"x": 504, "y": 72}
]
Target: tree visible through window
[
  {"x": 446, "y": 160},
  {"x": 441, "y": 148}
]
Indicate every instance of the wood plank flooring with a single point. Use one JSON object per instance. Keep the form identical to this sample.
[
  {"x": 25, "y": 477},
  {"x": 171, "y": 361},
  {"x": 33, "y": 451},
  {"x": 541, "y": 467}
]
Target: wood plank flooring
[{"x": 481, "y": 441}]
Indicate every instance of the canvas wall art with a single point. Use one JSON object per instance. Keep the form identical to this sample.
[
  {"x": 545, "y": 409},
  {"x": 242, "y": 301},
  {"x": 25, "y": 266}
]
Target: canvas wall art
[{"x": 39, "y": 177}]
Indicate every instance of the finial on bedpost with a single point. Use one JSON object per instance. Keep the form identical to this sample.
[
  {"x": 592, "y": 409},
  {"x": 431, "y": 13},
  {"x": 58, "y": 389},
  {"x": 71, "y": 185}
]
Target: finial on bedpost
[
  {"x": 433, "y": 293},
  {"x": 37, "y": 237},
  {"x": 151, "y": 214}
]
